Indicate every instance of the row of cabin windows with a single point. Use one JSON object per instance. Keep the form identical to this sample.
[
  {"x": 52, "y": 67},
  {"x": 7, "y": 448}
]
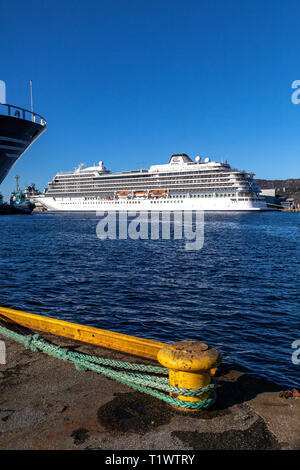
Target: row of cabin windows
[
  {"x": 151, "y": 201},
  {"x": 129, "y": 188},
  {"x": 177, "y": 198}
]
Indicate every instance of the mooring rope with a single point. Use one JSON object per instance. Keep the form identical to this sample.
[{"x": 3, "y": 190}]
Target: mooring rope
[{"x": 150, "y": 384}]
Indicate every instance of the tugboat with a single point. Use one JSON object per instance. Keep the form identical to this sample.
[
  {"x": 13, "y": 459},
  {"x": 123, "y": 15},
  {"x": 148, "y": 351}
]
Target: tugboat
[
  {"x": 18, "y": 204},
  {"x": 18, "y": 201}
]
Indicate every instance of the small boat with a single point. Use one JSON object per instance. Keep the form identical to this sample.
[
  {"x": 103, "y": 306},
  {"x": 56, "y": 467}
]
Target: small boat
[
  {"x": 140, "y": 193},
  {"x": 123, "y": 193},
  {"x": 157, "y": 193},
  {"x": 19, "y": 204}
]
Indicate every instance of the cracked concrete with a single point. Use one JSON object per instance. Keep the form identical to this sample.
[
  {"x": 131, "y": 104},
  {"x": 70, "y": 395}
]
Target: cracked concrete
[{"x": 47, "y": 404}]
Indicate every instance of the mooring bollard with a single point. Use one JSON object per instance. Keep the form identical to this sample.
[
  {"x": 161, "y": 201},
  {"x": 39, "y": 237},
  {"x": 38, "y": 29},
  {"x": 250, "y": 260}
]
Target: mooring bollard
[{"x": 190, "y": 365}]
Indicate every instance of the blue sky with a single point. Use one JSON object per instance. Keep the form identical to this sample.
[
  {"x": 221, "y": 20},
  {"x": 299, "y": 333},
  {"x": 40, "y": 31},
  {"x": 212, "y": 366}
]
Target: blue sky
[{"x": 131, "y": 82}]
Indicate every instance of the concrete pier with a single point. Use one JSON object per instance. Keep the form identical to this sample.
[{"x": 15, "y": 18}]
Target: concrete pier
[{"x": 47, "y": 404}]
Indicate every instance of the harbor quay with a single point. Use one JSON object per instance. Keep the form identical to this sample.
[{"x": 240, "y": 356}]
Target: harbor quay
[{"x": 47, "y": 403}]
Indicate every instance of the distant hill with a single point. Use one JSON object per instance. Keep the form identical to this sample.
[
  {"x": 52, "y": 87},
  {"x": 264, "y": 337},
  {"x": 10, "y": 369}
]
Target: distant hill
[{"x": 285, "y": 188}]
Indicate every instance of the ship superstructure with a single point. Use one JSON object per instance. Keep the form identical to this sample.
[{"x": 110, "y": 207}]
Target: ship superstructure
[
  {"x": 19, "y": 128},
  {"x": 181, "y": 184}
]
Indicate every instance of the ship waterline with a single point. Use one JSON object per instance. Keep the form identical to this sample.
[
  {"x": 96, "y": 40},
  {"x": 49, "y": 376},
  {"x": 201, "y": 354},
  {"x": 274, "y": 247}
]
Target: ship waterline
[{"x": 180, "y": 184}]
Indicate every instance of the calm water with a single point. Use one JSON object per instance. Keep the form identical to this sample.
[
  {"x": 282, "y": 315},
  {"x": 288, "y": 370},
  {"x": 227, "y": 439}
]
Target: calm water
[{"x": 240, "y": 293}]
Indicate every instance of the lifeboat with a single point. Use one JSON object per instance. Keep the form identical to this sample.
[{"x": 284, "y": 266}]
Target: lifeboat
[
  {"x": 157, "y": 192},
  {"x": 123, "y": 193},
  {"x": 140, "y": 193}
]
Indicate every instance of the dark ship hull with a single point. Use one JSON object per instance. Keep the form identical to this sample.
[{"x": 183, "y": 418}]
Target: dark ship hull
[
  {"x": 16, "y": 135},
  {"x": 11, "y": 209}
]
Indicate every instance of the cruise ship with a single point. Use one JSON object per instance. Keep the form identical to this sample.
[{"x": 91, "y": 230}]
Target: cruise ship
[
  {"x": 180, "y": 184},
  {"x": 19, "y": 128}
]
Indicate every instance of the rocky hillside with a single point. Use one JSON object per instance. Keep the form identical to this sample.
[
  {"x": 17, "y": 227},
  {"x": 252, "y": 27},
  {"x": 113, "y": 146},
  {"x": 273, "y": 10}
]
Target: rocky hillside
[{"x": 285, "y": 188}]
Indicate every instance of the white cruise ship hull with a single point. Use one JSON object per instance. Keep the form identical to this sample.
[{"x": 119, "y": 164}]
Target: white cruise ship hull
[{"x": 93, "y": 204}]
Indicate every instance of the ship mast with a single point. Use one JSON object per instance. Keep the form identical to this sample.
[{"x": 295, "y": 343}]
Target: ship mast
[
  {"x": 17, "y": 178},
  {"x": 31, "y": 98}
]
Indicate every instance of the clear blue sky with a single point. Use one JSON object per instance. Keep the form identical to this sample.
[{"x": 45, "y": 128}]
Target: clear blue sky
[{"x": 130, "y": 82}]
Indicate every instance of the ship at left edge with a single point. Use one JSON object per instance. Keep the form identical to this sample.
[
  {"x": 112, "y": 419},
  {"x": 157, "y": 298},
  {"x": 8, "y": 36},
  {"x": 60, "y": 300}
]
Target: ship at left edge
[{"x": 19, "y": 129}]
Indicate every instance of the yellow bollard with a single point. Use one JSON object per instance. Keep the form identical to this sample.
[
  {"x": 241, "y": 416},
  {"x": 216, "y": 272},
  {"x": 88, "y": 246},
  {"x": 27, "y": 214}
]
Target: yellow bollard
[{"x": 190, "y": 365}]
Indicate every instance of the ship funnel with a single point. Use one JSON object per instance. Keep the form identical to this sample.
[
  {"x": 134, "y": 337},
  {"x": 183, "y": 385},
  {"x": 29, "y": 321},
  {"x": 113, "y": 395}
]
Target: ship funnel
[{"x": 2, "y": 92}]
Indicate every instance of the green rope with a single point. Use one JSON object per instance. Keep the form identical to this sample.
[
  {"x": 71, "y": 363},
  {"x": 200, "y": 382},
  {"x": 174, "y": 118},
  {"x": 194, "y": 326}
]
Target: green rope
[{"x": 150, "y": 384}]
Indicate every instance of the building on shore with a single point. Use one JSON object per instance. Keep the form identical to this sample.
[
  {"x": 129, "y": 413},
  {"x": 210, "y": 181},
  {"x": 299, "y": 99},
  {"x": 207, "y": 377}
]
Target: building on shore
[{"x": 275, "y": 200}]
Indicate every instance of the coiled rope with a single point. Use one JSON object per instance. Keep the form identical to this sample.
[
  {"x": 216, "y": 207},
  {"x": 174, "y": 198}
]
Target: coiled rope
[{"x": 150, "y": 384}]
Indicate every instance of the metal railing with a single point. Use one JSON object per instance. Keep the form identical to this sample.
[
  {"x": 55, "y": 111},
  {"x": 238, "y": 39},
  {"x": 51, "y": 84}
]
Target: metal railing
[{"x": 21, "y": 113}]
